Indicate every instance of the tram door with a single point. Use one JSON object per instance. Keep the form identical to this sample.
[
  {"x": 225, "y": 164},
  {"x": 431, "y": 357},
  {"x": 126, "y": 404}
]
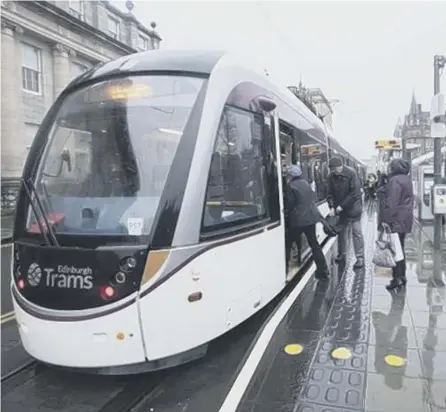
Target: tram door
[{"x": 286, "y": 141}]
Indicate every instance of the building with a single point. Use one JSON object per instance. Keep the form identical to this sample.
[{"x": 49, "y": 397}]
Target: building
[
  {"x": 44, "y": 45},
  {"x": 416, "y": 129},
  {"x": 316, "y": 101},
  {"x": 323, "y": 106}
]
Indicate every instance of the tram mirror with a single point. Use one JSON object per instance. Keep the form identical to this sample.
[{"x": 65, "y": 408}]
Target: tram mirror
[{"x": 266, "y": 104}]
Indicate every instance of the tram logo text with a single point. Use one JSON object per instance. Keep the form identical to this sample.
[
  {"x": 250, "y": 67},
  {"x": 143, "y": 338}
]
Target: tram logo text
[{"x": 64, "y": 276}]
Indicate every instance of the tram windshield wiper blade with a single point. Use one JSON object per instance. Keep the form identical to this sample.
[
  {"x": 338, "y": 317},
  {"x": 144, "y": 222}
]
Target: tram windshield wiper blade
[{"x": 27, "y": 186}]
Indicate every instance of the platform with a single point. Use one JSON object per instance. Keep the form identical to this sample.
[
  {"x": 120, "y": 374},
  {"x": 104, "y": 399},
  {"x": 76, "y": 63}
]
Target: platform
[{"x": 347, "y": 344}]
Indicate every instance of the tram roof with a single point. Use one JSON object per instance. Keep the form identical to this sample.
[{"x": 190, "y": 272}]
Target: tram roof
[{"x": 187, "y": 61}]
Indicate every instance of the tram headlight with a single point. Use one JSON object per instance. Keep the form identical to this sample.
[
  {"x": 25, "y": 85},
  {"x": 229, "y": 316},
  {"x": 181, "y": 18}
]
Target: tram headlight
[
  {"x": 128, "y": 264},
  {"x": 120, "y": 277},
  {"x": 21, "y": 284},
  {"x": 108, "y": 292}
]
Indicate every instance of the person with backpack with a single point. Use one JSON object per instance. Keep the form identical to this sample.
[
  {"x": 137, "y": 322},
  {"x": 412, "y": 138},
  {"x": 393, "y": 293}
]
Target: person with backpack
[{"x": 303, "y": 215}]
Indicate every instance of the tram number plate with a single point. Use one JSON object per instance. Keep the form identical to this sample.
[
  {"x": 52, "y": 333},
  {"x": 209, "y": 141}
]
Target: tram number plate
[{"x": 135, "y": 226}]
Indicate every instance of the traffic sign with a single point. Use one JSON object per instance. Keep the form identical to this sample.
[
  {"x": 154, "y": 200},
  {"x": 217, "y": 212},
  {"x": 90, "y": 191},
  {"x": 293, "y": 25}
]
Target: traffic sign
[
  {"x": 388, "y": 144},
  {"x": 438, "y": 130}
]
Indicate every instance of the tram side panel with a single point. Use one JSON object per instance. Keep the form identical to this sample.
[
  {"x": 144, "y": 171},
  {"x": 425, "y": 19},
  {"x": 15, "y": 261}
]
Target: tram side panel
[
  {"x": 243, "y": 273},
  {"x": 235, "y": 280}
]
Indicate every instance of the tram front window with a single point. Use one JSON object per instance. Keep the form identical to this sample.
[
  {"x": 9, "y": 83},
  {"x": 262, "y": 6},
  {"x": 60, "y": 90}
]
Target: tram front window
[{"x": 108, "y": 154}]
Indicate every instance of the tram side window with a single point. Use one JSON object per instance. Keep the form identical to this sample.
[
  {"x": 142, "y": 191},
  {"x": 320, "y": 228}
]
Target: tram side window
[
  {"x": 313, "y": 159},
  {"x": 236, "y": 192}
]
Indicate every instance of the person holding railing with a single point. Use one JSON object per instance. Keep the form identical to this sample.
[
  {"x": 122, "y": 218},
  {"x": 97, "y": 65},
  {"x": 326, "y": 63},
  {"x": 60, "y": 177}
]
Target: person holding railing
[{"x": 302, "y": 217}]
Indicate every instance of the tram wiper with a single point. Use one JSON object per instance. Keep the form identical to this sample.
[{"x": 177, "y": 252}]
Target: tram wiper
[{"x": 27, "y": 186}]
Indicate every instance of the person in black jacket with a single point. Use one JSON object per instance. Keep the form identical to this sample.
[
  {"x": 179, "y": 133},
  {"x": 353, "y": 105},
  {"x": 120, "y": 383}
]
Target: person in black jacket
[
  {"x": 345, "y": 199},
  {"x": 303, "y": 215}
]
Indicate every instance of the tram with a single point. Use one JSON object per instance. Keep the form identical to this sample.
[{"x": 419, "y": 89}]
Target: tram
[{"x": 150, "y": 213}]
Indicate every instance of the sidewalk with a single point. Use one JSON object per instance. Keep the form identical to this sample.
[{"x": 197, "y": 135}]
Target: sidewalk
[{"x": 6, "y": 225}]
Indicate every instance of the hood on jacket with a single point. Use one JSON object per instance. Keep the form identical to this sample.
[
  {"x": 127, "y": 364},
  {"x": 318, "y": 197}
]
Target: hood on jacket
[
  {"x": 399, "y": 167},
  {"x": 294, "y": 171}
]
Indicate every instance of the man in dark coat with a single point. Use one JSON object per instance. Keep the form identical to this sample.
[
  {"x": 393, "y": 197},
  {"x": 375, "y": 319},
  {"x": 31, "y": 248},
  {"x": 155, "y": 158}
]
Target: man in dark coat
[
  {"x": 397, "y": 211},
  {"x": 303, "y": 215},
  {"x": 345, "y": 199}
]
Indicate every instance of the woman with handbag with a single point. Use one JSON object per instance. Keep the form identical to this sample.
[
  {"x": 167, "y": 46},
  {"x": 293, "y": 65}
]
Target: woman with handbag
[
  {"x": 303, "y": 215},
  {"x": 396, "y": 210}
]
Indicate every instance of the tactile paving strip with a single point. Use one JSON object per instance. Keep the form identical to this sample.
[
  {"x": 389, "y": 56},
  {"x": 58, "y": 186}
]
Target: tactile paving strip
[
  {"x": 339, "y": 384},
  {"x": 336, "y": 387},
  {"x": 357, "y": 361},
  {"x": 320, "y": 408}
]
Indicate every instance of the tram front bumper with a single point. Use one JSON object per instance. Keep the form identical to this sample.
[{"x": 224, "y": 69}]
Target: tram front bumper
[{"x": 111, "y": 340}]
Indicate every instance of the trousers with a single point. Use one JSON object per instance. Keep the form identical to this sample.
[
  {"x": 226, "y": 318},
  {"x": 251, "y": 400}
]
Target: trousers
[
  {"x": 357, "y": 237},
  {"x": 399, "y": 271},
  {"x": 294, "y": 234}
]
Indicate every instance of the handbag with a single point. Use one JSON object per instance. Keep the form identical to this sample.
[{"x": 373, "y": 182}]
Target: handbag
[
  {"x": 384, "y": 253},
  {"x": 332, "y": 225}
]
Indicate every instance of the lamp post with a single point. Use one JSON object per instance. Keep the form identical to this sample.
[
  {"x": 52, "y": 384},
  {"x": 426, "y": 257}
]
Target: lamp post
[{"x": 439, "y": 64}]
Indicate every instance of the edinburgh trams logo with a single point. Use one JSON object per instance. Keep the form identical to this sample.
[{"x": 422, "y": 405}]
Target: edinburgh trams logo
[{"x": 64, "y": 276}]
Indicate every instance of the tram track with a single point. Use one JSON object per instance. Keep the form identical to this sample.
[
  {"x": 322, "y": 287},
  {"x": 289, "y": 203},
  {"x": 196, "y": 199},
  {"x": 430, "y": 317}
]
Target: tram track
[
  {"x": 19, "y": 375},
  {"x": 134, "y": 394}
]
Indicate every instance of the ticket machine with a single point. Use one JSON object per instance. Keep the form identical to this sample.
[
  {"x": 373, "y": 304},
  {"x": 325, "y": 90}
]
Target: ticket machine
[
  {"x": 423, "y": 190},
  {"x": 439, "y": 199}
]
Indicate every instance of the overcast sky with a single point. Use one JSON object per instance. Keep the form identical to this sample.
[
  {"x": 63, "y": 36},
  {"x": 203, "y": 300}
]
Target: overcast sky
[{"x": 369, "y": 55}]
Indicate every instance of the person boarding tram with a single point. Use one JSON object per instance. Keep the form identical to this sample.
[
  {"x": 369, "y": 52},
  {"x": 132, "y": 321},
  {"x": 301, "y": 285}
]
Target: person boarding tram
[
  {"x": 345, "y": 199},
  {"x": 302, "y": 216}
]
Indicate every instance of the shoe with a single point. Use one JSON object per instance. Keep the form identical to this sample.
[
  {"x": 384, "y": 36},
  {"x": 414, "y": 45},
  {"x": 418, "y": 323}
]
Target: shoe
[
  {"x": 396, "y": 284},
  {"x": 359, "y": 264},
  {"x": 340, "y": 259}
]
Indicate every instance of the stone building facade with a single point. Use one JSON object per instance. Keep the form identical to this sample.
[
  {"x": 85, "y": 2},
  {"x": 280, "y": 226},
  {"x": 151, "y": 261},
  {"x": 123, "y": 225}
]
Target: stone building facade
[
  {"x": 416, "y": 129},
  {"x": 45, "y": 44}
]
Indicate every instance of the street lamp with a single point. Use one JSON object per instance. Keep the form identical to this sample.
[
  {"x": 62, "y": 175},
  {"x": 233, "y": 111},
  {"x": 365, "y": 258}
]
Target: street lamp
[{"x": 439, "y": 64}]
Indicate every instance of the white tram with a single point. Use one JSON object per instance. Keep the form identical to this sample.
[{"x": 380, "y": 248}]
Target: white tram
[{"x": 150, "y": 220}]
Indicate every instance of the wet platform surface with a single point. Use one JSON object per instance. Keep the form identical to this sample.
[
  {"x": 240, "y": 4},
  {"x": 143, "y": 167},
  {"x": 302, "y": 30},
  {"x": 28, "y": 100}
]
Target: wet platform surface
[{"x": 390, "y": 347}]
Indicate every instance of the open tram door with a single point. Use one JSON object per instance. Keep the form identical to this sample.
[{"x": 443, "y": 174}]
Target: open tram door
[{"x": 287, "y": 156}]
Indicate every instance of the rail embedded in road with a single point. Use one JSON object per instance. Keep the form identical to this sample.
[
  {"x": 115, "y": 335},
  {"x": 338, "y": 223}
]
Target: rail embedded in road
[{"x": 7, "y": 317}]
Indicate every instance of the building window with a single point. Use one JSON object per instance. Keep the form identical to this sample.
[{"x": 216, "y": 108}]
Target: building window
[
  {"x": 143, "y": 43},
  {"x": 76, "y": 8},
  {"x": 237, "y": 185},
  {"x": 77, "y": 69},
  {"x": 31, "y": 68},
  {"x": 113, "y": 27}
]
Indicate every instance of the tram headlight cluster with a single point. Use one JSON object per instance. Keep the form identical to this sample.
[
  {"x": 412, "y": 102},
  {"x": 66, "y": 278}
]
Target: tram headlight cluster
[{"x": 126, "y": 267}]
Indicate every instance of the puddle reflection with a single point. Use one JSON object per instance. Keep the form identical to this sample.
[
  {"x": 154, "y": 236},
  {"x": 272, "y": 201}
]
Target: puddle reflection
[
  {"x": 412, "y": 329},
  {"x": 391, "y": 339}
]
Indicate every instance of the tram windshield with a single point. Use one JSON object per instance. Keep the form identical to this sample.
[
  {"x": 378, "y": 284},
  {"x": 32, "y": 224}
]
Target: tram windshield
[{"x": 109, "y": 152}]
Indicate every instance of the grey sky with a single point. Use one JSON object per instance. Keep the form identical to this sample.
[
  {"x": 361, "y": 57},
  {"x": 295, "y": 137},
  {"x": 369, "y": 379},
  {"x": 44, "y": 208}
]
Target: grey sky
[{"x": 369, "y": 55}]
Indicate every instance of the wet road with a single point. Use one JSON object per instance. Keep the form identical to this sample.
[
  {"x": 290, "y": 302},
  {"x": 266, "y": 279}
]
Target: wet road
[{"x": 13, "y": 354}]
